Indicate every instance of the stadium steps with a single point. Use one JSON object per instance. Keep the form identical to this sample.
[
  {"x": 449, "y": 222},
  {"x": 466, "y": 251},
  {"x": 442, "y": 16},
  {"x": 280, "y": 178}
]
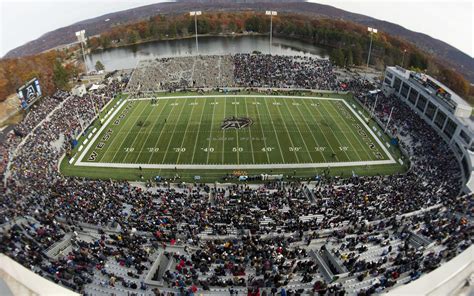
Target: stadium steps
[{"x": 60, "y": 247}]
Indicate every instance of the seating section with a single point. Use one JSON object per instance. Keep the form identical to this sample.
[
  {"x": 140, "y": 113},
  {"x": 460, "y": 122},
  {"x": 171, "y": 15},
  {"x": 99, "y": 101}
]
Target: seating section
[{"x": 334, "y": 235}]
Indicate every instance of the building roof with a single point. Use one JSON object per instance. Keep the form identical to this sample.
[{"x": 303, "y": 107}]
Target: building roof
[
  {"x": 454, "y": 97},
  {"x": 467, "y": 122}
]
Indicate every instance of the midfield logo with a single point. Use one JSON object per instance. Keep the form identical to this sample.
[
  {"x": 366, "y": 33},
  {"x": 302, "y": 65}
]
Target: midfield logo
[{"x": 236, "y": 123}]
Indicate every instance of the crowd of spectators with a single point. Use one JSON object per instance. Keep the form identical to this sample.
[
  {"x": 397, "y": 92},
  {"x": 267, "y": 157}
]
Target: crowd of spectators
[
  {"x": 257, "y": 239},
  {"x": 252, "y": 70},
  {"x": 244, "y": 70},
  {"x": 181, "y": 73}
]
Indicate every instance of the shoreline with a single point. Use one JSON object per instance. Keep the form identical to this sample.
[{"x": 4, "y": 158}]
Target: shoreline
[{"x": 175, "y": 39}]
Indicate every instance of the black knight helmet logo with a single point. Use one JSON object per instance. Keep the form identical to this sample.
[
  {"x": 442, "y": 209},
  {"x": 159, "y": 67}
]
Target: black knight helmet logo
[{"x": 236, "y": 123}]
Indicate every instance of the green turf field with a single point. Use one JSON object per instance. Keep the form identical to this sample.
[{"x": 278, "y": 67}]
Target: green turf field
[{"x": 231, "y": 132}]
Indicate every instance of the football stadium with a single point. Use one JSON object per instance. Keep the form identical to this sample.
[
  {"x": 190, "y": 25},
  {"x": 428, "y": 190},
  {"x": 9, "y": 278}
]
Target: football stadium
[
  {"x": 225, "y": 160},
  {"x": 233, "y": 132}
]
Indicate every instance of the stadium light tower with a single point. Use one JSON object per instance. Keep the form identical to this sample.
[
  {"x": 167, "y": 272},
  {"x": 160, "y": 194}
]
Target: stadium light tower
[
  {"x": 195, "y": 14},
  {"x": 371, "y": 32},
  {"x": 81, "y": 37},
  {"x": 271, "y": 13},
  {"x": 403, "y": 58}
]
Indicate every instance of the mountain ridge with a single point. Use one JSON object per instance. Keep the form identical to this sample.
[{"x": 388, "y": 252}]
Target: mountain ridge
[{"x": 454, "y": 57}]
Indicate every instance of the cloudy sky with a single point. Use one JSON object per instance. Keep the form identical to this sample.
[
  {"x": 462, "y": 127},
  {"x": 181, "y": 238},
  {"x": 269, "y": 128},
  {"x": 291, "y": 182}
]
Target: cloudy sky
[{"x": 450, "y": 21}]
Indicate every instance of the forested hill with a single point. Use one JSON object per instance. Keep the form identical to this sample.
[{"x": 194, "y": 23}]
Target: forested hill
[{"x": 460, "y": 61}]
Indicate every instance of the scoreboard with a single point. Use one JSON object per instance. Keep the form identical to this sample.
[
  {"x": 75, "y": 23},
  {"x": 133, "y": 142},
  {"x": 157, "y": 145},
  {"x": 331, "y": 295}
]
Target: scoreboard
[{"x": 29, "y": 93}]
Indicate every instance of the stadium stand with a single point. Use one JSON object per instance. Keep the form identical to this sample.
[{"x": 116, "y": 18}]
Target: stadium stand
[{"x": 355, "y": 235}]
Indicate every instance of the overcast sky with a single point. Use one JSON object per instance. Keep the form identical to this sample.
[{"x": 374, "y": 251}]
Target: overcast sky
[{"x": 450, "y": 21}]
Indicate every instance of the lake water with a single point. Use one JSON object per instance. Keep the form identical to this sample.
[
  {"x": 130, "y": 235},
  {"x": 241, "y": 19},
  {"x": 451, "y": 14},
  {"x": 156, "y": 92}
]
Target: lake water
[{"x": 127, "y": 57}]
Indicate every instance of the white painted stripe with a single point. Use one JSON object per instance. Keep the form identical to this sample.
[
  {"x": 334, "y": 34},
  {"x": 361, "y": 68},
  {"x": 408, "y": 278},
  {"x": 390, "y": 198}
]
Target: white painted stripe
[
  {"x": 80, "y": 148},
  {"x": 90, "y": 135},
  {"x": 400, "y": 161},
  {"x": 98, "y": 133},
  {"x": 94, "y": 130},
  {"x": 71, "y": 160},
  {"x": 237, "y": 96},
  {"x": 392, "y": 160},
  {"x": 234, "y": 166},
  {"x": 85, "y": 141}
]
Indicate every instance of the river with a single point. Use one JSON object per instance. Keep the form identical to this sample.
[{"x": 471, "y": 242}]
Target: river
[{"x": 127, "y": 57}]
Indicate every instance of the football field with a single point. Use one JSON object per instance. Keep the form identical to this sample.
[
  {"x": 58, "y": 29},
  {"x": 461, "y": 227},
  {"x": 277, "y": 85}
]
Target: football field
[{"x": 232, "y": 132}]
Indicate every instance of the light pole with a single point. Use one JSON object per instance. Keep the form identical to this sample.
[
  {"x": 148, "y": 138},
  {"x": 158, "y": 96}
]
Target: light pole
[
  {"x": 195, "y": 14},
  {"x": 389, "y": 117},
  {"x": 93, "y": 105},
  {"x": 271, "y": 13},
  {"x": 371, "y": 32},
  {"x": 403, "y": 58},
  {"x": 375, "y": 103},
  {"x": 82, "y": 39}
]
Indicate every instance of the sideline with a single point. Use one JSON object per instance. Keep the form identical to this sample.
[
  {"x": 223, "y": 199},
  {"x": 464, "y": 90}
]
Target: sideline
[{"x": 79, "y": 162}]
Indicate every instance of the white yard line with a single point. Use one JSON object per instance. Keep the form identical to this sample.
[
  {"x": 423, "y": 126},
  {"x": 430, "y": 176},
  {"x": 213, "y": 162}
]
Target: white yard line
[
  {"x": 274, "y": 130},
  {"x": 371, "y": 132},
  {"x": 104, "y": 126},
  {"x": 250, "y": 130},
  {"x": 110, "y": 145},
  {"x": 299, "y": 131},
  {"x": 286, "y": 129},
  {"x": 242, "y": 166},
  {"x": 223, "y": 133},
  {"x": 210, "y": 132},
  {"x": 138, "y": 134},
  {"x": 234, "y": 166},
  {"x": 332, "y": 131},
  {"x": 319, "y": 127},
  {"x": 310, "y": 130},
  {"x": 174, "y": 130},
  {"x": 237, "y": 133},
  {"x": 361, "y": 143},
  {"x": 264, "y": 136},
  {"x": 151, "y": 132},
  {"x": 124, "y": 138},
  {"x": 238, "y": 96},
  {"x": 340, "y": 129},
  {"x": 185, "y": 131},
  {"x": 161, "y": 132},
  {"x": 197, "y": 134}
]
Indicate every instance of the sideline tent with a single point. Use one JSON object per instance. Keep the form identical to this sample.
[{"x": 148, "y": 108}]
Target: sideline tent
[{"x": 96, "y": 87}]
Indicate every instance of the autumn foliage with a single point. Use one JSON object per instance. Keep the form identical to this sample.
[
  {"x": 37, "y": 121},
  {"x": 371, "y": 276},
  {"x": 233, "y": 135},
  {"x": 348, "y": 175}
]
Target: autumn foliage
[
  {"x": 347, "y": 43},
  {"x": 45, "y": 66}
]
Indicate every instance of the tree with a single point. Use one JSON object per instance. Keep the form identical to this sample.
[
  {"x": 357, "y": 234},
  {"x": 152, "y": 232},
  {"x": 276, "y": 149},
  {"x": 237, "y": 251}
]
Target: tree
[
  {"x": 337, "y": 57},
  {"x": 455, "y": 81},
  {"x": 99, "y": 66},
  {"x": 418, "y": 60},
  {"x": 132, "y": 37},
  {"x": 357, "y": 54},
  {"x": 60, "y": 75},
  {"x": 232, "y": 26},
  {"x": 105, "y": 41},
  {"x": 349, "y": 59},
  {"x": 255, "y": 24}
]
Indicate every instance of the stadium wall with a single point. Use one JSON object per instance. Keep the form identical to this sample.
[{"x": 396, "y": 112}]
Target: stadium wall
[
  {"x": 448, "y": 279},
  {"x": 22, "y": 281},
  {"x": 458, "y": 144}
]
